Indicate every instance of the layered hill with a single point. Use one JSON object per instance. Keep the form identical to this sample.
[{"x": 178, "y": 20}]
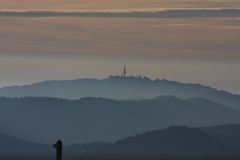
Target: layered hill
[
  {"x": 116, "y": 87},
  {"x": 171, "y": 143},
  {"x": 13, "y": 148},
  {"x": 174, "y": 143},
  {"x": 226, "y": 134},
  {"x": 98, "y": 119}
]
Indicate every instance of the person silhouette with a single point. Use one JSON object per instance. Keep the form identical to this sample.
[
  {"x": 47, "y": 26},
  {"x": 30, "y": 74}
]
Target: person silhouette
[{"x": 58, "y": 147}]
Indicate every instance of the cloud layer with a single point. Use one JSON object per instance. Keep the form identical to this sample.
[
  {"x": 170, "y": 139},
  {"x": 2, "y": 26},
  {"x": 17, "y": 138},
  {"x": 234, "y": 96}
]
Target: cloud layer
[
  {"x": 176, "y": 13},
  {"x": 115, "y": 4},
  {"x": 206, "y": 39}
]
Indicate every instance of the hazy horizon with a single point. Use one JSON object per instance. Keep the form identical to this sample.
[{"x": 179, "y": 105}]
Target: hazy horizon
[
  {"x": 192, "y": 50},
  {"x": 160, "y": 69}
]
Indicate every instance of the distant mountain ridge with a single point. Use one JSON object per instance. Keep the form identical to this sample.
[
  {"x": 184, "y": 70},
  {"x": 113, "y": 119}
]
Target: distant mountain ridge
[
  {"x": 117, "y": 87},
  {"x": 88, "y": 120}
]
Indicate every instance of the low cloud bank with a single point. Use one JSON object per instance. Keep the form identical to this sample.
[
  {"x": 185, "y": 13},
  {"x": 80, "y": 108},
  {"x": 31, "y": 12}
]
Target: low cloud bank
[{"x": 128, "y": 14}]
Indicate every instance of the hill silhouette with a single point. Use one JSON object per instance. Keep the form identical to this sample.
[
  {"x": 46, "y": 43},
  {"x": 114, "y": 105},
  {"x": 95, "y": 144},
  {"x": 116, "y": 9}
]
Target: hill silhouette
[
  {"x": 13, "y": 148},
  {"x": 226, "y": 134},
  {"x": 88, "y": 120},
  {"x": 116, "y": 87},
  {"x": 174, "y": 143},
  {"x": 177, "y": 142}
]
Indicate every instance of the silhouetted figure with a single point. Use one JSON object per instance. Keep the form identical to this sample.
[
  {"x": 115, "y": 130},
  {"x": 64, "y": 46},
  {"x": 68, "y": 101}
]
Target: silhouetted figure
[
  {"x": 124, "y": 70},
  {"x": 58, "y": 147}
]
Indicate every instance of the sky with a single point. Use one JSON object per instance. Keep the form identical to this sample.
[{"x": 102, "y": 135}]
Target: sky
[
  {"x": 195, "y": 50},
  {"x": 115, "y": 4}
]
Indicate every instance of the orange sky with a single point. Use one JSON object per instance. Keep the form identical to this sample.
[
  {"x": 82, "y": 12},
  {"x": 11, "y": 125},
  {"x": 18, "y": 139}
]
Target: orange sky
[
  {"x": 189, "y": 50},
  {"x": 205, "y": 39}
]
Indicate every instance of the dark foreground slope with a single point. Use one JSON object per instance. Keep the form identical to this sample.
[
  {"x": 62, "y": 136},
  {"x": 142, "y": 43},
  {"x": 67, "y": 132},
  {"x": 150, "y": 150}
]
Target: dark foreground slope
[
  {"x": 97, "y": 119},
  {"x": 227, "y": 134},
  {"x": 174, "y": 143},
  {"x": 14, "y": 148},
  {"x": 121, "y": 88},
  {"x": 171, "y": 143}
]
